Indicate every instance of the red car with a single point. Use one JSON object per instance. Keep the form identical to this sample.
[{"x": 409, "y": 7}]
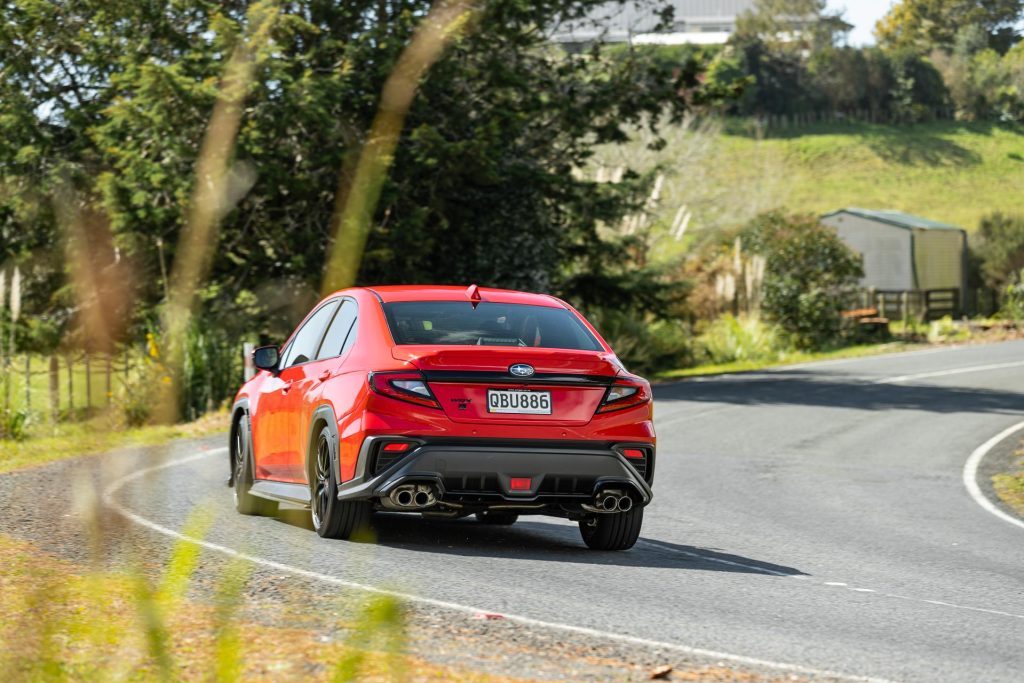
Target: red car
[{"x": 446, "y": 401}]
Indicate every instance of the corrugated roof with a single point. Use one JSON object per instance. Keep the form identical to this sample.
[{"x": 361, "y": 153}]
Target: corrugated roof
[
  {"x": 896, "y": 218},
  {"x": 617, "y": 20}
]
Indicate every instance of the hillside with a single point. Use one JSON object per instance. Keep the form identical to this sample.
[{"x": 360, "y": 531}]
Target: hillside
[
  {"x": 952, "y": 172},
  {"x": 717, "y": 175}
]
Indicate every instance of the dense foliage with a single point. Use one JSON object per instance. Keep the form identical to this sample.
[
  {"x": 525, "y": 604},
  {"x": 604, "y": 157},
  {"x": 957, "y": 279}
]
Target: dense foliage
[
  {"x": 927, "y": 24},
  {"x": 938, "y": 58},
  {"x": 809, "y": 277}
]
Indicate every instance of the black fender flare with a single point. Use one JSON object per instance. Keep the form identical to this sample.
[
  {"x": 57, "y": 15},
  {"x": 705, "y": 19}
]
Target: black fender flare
[
  {"x": 324, "y": 413},
  {"x": 240, "y": 407}
]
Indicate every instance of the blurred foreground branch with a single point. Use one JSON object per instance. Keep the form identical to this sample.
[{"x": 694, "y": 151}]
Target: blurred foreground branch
[{"x": 214, "y": 194}]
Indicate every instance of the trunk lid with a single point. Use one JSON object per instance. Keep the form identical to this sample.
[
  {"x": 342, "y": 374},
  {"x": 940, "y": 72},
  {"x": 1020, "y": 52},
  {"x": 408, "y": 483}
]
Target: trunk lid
[{"x": 474, "y": 385}]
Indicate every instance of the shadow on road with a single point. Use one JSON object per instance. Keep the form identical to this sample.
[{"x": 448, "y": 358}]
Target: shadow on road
[
  {"x": 543, "y": 541},
  {"x": 801, "y": 388}
]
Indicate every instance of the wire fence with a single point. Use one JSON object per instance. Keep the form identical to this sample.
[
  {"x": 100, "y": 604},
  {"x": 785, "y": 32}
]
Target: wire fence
[{"x": 65, "y": 386}]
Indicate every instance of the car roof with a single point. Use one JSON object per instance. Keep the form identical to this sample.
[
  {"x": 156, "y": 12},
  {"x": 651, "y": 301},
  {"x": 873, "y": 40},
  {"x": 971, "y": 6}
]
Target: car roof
[{"x": 396, "y": 293}]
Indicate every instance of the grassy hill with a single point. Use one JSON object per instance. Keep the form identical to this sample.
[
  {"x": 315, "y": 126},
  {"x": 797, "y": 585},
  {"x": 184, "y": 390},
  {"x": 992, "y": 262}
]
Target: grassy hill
[{"x": 948, "y": 171}]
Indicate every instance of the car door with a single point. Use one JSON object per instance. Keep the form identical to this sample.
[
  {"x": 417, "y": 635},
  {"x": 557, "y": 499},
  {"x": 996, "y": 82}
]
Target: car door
[
  {"x": 327, "y": 363},
  {"x": 277, "y": 419}
]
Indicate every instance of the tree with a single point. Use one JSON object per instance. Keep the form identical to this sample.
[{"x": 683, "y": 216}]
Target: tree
[
  {"x": 924, "y": 25},
  {"x": 809, "y": 275},
  {"x": 109, "y": 98},
  {"x": 794, "y": 24}
]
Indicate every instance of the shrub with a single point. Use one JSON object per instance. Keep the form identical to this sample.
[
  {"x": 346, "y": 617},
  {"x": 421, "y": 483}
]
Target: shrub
[
  {"x": 645, "y": 345},
  {"x": 810, "y": 276},
  {"x": 1000, "y": 245},
  {"x": 14, "y": 424},
  {"x": 1012, "y": 307},
  {"x": 747, "y": 338}
]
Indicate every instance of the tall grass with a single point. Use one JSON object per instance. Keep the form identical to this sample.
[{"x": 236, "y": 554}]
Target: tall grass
[{"x": 106, "y": 626}]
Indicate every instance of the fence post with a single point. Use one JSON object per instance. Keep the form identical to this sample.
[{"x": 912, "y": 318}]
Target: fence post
[
  {"x": 28, "y": 382},
  {"x": 88, "y": 383},
  {"x": 54, "y": 388},
  {"x": 108, "y": 381},
  {"x": 904, "y": 306},
  {"x": 71, "y": 387}
]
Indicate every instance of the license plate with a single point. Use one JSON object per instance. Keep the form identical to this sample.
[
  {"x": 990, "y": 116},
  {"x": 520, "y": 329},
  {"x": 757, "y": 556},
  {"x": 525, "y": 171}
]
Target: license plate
[{"x": 519, "y": 401}]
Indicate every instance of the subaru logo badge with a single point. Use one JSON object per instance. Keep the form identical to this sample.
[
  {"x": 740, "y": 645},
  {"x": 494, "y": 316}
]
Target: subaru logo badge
[{"x": 521, "y": 370}]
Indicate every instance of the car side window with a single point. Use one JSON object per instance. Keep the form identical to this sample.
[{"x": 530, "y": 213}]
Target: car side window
[
  {"x": 307, "y": 340},
  {"x": 342, "y": 327}
]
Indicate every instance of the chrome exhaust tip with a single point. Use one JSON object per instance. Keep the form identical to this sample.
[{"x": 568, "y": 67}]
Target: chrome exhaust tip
[
  {"x": 411, "y": 497},
  {"x": 625, "y": 504},
  {"x": 402, "y": 497}
]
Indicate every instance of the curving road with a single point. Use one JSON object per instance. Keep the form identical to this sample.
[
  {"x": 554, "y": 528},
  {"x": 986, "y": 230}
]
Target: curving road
[{"x": 812, "y": 516}]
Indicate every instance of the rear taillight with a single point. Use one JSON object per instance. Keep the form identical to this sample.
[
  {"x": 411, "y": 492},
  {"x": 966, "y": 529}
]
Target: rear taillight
[
  {"x": 625, "y": 394},
  {"x": 404, "y": 386}
]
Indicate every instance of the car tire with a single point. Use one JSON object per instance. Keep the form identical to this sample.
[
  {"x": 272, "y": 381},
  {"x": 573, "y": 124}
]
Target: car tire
[
  {"x": 242, "y": 475},
  {"x": 616, "y": 531},
  {"x": 497, "y": 518},
  {"x": 333, "y": 518}
]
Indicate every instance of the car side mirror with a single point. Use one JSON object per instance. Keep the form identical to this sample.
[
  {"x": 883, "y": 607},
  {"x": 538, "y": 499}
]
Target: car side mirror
[{"x": 266, "y": 358}]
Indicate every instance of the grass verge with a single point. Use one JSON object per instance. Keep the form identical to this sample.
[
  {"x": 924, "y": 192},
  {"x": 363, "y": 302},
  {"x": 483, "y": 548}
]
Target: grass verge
[
  {"x": 790, "y": 358},
  {"x": 1010, "y": 486},
  {"x": 68, "y": 440}
]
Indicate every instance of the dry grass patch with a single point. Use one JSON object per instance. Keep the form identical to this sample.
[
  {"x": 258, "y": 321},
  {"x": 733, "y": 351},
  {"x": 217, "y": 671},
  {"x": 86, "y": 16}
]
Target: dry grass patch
[{"x": 64, "y": 623}]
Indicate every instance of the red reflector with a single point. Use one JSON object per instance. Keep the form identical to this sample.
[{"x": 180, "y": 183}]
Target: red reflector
[
  {"x": 396, "y": 447},
  {"x": 633, "y": 453},
  {"x": 519, "y": 484}
]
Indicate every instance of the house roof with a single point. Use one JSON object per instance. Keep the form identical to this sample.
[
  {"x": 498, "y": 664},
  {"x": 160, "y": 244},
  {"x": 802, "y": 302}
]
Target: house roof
[
  {"x": 896, "y": 218},
  {"x": 618, "y": 21}
]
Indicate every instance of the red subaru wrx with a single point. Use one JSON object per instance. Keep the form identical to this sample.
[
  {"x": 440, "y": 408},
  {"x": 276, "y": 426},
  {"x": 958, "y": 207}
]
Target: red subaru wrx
[{"x": 446, "y": 401}]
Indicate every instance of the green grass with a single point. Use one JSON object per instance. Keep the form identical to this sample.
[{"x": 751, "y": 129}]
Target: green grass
[
  {"x": 947, "y": 171},
  {"x": 790, "y": 358},
  {"x": 50, "y": 442},
  {"x": 1010, "y": 485}
]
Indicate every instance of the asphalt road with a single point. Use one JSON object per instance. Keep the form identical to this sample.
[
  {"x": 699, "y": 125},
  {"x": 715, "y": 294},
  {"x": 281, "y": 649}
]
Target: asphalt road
[{"x": 812, "y": 516}]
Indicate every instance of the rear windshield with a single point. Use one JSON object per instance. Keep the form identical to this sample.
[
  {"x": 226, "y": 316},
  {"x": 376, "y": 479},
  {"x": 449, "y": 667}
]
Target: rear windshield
[{"x": 489, "y": 324}]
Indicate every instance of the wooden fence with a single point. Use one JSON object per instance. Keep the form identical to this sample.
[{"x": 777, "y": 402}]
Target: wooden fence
[
  {"x": 920, "y": 304},
  {"x": 64, "y": 385},
  {"x": 781, "y": 122}
]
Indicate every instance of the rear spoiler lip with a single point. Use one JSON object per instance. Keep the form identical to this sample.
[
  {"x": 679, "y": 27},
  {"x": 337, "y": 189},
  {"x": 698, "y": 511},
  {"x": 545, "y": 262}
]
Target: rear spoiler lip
[{"x": 541, "y": 378}]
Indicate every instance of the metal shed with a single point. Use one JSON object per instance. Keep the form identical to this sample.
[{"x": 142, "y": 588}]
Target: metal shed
[{"x": 905, "y": 253}]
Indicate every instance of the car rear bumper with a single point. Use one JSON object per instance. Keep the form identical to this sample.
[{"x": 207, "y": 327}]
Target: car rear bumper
[{"x": 477, "y": 474}]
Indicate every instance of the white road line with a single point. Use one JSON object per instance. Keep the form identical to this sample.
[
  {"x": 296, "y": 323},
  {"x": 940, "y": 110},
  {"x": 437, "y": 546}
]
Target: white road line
[
  {"x": 109, "y": 501},
  {"x": 971, "y": 474},
  {"x": 950, "y": 604},
  {"x": 947, "y": 373}
]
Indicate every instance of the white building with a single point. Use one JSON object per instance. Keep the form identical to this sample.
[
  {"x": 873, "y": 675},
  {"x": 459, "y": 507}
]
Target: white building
[{"x": 697, "y": 22}]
